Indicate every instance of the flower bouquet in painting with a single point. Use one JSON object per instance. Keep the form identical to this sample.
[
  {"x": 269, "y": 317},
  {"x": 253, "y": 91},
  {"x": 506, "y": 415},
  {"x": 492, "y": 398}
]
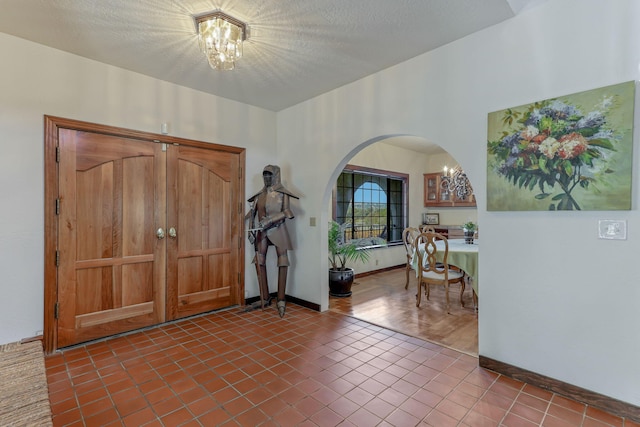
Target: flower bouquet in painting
[{"x": 561, "y": 152}]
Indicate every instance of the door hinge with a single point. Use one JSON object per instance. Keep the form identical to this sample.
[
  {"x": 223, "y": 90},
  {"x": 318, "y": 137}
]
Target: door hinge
[
  {"x": 56, "y": 310},
  {"x": 58, "y": 206},
  {"x": 58, "y": 154},
  {"x": 57, "y": 258}
]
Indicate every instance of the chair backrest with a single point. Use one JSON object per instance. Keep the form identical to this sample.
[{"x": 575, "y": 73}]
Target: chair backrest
[
  {"x": 430, "y": 245},
  {"x": 424, "y": 228},
  {"x": 409, "y": 235}
]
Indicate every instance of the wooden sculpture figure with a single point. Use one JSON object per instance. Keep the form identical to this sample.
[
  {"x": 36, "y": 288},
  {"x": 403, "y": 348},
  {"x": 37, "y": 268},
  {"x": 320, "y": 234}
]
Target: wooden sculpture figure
[{"x": 269, "y": 210}]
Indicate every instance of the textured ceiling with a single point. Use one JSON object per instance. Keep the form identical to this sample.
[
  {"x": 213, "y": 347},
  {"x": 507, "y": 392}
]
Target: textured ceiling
[{"x": 297, "y": 49}]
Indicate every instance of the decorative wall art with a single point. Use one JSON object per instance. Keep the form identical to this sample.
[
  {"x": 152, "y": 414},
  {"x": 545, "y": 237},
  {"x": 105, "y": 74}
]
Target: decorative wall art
[
  {"x": 572, "y": 152},
  {"x": 431, "y": 218}
]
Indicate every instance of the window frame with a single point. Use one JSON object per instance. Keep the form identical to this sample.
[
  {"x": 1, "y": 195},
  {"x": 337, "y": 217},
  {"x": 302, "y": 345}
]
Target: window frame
[{"x": 378, "y": 173}]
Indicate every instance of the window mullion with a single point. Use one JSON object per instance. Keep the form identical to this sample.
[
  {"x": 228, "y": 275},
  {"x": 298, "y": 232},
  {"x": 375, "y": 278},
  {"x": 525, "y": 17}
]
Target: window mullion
[{"x": 367, "y": 212}]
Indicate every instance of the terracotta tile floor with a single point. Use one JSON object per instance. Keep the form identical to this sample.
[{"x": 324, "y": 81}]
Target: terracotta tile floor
[{"x": 232, "y": 368}]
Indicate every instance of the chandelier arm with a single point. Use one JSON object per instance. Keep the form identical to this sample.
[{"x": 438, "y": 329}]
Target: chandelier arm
[{"x": 455, "y": 181}]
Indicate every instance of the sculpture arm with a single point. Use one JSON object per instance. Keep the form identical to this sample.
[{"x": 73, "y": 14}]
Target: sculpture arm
[
  {"x": 278, "y": 218},
  {"x": 286, "y": 209}
]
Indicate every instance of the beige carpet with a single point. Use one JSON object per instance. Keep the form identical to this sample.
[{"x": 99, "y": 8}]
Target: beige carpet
[{"x": 24, "y": 396}]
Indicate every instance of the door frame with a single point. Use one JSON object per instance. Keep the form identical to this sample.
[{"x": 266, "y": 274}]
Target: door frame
[{"x": 51, "y": 190}]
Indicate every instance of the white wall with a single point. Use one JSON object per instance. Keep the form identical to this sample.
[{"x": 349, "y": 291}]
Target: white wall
[
  {"x": 34, "y": 81},
  {"x": 553, "y": 298}
]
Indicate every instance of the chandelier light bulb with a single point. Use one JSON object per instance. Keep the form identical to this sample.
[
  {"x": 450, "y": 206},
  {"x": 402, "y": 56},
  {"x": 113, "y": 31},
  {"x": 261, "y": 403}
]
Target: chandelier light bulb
[{"x": 220, "y": 37}]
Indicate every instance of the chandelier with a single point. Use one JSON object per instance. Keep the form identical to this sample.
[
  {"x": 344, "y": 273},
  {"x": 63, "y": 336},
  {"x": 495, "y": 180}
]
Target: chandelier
[
  {"x": 455, "y": 181},
  {"x": 220, "y": 37}
]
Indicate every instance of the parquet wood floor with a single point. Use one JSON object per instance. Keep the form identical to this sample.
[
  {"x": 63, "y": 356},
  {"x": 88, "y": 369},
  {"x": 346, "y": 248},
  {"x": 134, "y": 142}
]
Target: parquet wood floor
[{"x": 381, "y": 299}]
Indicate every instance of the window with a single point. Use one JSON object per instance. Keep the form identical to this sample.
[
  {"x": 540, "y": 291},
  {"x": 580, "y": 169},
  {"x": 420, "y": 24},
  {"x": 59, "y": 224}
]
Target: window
[{"x": 374, "y": 203}]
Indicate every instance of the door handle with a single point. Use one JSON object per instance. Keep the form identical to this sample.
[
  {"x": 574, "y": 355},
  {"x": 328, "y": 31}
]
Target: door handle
[
  {"x": 160, "y": 233},
  {"x": 172, "y": 233}
]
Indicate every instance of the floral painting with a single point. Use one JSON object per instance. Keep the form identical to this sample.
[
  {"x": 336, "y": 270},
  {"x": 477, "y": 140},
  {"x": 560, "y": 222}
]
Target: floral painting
[{"x": 573, "y": 152}]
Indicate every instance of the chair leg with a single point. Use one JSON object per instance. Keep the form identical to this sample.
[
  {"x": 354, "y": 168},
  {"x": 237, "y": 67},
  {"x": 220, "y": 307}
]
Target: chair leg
[
  {"x": 462, "y": 287},
  {"x": 446, "y": 290},
  {"x": 406, "y": 285},
  {"x": 427, "y": 290},
  {"x": 419, "y": 294}
]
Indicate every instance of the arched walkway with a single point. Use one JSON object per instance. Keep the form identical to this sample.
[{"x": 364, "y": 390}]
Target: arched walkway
[{"x": 380, "y": 298}]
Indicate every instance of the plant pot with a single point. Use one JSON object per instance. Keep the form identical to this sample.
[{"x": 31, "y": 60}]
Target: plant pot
[
  {"x": 340, "y": 282},
  {"x": 468, "y": 236}
]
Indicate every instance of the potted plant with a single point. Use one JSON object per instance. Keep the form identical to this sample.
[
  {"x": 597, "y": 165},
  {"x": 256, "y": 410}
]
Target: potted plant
[
  {"x": 469, "y": 229},
  {"x": 340, "y": 252}
]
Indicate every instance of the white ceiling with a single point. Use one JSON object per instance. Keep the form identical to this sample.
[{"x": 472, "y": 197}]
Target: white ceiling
[{"x": 297, "y": 49}]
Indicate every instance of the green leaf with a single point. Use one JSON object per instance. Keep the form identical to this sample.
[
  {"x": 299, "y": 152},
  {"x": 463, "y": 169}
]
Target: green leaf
[
  {"x": 542, "y": 162},
  {"x": 550, "y": 181},
  {"x": 593, "y": 152},
  {"x": 341, "y": 252},
  {"x": 586, "y": 158},
  {"x": 533, "y": 159},
  {"x": 510, "y": 116},
  {"x": 558, "y": 128},
  {"x": 522, "y": 180},
  {"x": 604, "y": 143},
  {"x": 493, "y": 146},
  {"x": 558, "y": 196},
  {"x": 546, "y": 123},
  {"x": 587, "y": 132},
  {"x": 542, "y": 196}
]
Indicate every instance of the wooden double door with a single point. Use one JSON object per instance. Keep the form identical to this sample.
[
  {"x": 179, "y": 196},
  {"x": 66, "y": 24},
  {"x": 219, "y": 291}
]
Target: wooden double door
[{"x": 147, "y": 231}]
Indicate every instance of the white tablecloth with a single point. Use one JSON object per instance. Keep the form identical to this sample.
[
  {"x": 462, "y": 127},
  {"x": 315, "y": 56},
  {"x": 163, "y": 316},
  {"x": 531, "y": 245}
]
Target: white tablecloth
[{"x": 461, "y": 254}]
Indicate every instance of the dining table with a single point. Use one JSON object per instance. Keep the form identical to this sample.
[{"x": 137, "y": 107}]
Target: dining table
[{"x": 461, "y": 254}]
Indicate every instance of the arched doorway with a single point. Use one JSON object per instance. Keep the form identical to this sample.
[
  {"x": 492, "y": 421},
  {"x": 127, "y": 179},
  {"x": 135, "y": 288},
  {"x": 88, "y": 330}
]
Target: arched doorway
[{"x": 382, "y": 298}]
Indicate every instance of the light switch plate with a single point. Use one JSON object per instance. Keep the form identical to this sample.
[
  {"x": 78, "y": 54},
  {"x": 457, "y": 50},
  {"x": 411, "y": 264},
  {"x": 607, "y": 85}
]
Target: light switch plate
[{"x": 612, "y": 229}]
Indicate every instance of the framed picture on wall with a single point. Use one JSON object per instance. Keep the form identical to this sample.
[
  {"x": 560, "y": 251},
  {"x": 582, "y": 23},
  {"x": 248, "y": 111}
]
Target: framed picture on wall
[
  {"x": 431, "y": 218},
  {"x": 573, "y": 152}
]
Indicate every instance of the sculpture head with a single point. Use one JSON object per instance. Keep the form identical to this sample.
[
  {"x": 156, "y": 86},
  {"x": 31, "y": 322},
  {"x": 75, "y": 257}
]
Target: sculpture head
[{"x": 271, "y": 175}]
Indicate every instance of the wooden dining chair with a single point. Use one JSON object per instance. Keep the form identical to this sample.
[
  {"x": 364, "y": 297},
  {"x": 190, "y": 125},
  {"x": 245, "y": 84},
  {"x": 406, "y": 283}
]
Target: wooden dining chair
[
  {"x": 424, "y": 228},
  {"x": 431, "y": 272},
  {"x": 409, "y": 235}
]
